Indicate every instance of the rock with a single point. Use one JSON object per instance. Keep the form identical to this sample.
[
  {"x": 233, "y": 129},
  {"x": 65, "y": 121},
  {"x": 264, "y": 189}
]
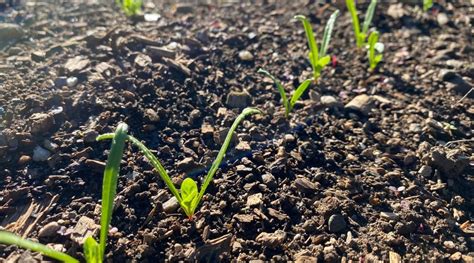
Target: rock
[
  {"x": 455, "y": 256},
  {"x": 152, "y": 115},
  {"x": 389, "y": 215},
  {"x": 456, "y": 83},
  {"x": 49, "y": 230},
  {"x": 396, "y": 11},
  {"x": 243, "y": 147},
  {"x": 336, "y": 223},
  {"x": 40, "y": 154},
  {"x": 90, "y": 136},
  {"x": 207, "y": 129},
  {"x": 305, "y": 185},
  {"x": 449, "y": 245},
  {"x": 60, "y": 82},
  {"x": 442, "y": 19},
  {"x": 84, "y": 227},
  {"x": 330, "y": 101},
  {"x": 76, "y": 64},
  {"x": 237, "y": 99},
  {"x": 38, "y": 56},
  {"x": 304, "y": 257},
  {"x": 142, "y": 60},
  {"x": 269, "y": 180},
  {"x": 160, "y": 52},
  {"x": 254, "y": 200},
  {"x": 171, "y": 205},
  {"x": 394, "y": 257},
  {"x": 10, "y": 33},
  {"x": 41, "y": 122},
  {"x": 271, "y": 239},
  {"x": 361, "y": 104},
  {"x": 425, "y": 171},
  {"x": 188, "y": 164},
  {"x": 245, "y": 55},
  {"x": 24, "y": 159},
  {"x": 71, "y": 82},
  {"x": 446, "y": 164}
]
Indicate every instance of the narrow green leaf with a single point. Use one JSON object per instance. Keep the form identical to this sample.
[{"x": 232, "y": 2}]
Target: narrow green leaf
[
  {"x": 109, "y": 185},
  {"x": 280, "y": 88},
  {"x": 355, "y": 21},
  {"x": 299, "y": 92},
  {"x": 327, "y": 33},
  {"x": 217, "y": 162},
  {"x": 12, "y": 239},
  {"x": 372, "y": 42},
  {"x": 368, "y": 16},
  {"x": 91, "y": 251},
  {"x": 378, "y": 58},
  {"x": 313, "y": 47}
]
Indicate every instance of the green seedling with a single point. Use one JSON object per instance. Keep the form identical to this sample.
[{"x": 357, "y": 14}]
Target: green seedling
[
  {"x": 189, "y": 196},
  {"x": 361, "y": 36},
  {"x": 288, "y": 104},
  {"x": 318, "y": 58},
  {"x": 130, "y": 7},
  {"x": 427, "y": 4},
  {"x": 93, "y": 252},
  {"x": 375, "y": 50}
]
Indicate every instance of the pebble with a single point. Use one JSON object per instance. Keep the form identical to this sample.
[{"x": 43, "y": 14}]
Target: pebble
[
  {"x": 10, "y": 32},
  {"x": 188, "y": 164},
  {"x": 269, "y": 179},
  {"x": 24, "y": 159},
  {"x": 361, "y": 103},
  {"x": 329, "y": 101},
  {"x": 49, "y": 230},
  {"x": 271, "y": 239},
  {"x": 336, "y": 223},
  {"x": 245, "y": 55},
  {"x": 425, "y": 171},
  {"x": 236, "y": 99},
  {"x": 152, "y": 115},
  {"x": 40, "y": 154},
  {"x": 389, "y": 215},
  {"x": 394, "y": 257},
  {"x": 41, "y": 122},
  {"x": 71, "y": 82},
  {"x": 455, "y": 256},
  {"x": 305, "y": 185},
  {"x": 254, "y": 200},
  {"x": 171, "y": 205},
  {"x": 442, "y": 19},
  {"x": 90, "y": 136}
]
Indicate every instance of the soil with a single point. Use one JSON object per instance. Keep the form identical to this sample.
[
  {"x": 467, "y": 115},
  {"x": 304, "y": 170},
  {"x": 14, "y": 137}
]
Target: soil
[{"x": 369, "y": 166}]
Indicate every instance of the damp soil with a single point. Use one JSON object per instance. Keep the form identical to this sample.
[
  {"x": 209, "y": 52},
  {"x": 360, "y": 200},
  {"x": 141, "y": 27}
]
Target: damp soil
[{"x": 369, "y": 166}]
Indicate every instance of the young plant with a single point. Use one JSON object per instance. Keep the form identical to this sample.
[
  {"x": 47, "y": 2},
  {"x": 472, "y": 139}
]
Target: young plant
[
  {"x": 288, "y": 104},
  {"x": 361, "y": 36},
  {"x": 93, "y": 252},
  {"x": 318, "y": 58},
  {"x": 130, "y": 7},
  {"x": 375, "y": 50},
  {"x": 427, "y": 4},
  {"x": 189, "y": 195}
]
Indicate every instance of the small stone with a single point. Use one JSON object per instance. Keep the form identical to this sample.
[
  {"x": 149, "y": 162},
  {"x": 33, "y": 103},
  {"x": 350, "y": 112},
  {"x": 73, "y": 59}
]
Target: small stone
[
  {"x": 71, "y": 82},
  {"x": 60, "y": 82},
  {"x": 152, "y": 115},
  {"x": 269, "y": 179},
  {"x": 329, "y": 101},
  {"x": 41, "y": 122},
  {"x": 188, "y": 164},
  {"x": 24, "y": 159},
  {"x": 171, "y": 205},
  {"x": 455, "y": 256},
  {"x": 207, "y": 129},
  {"x": 254, "y": 200},
  {"x": 49, "y": 230},
  {"x": 271, "y": 239},
  {"x": 336, "y": 223},
  {"x": 394, "y": 257},
  {"x": 85, "y": 227},
  {"x": 425, "y": 171},
  {"x": 361, "y": 103},
  {"x": 305, "y": 185},
  {"x": 90, "y": 136},
  {"x": 76, "y": 64},
  {"x": 10, "y": 32},
  {"x": 243, "y": 146},
  {"x": 389, "y": 215},
  {"x": 245, "y": 55},
  {"x": 237, "y": 99},
  {"x": 442, "y": 19},
  {"x": 38, "y": 56},
  {"x": 40, "y": 154}
]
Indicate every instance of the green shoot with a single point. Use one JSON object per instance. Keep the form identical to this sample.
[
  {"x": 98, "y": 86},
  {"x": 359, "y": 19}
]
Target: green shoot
[
  {"x": 189, "y": 196},
  {"x": 93, "y": 252},
  {"x": 361, "y": 36},
  {"x": 12, "y": 239},
  {"x": 130, "y": 7},
  {"x": 375, "y": 50},
  {"x": 427, "y": 4},
  {"x": 318, "y": 58},
  {"x": 288, "y": 104}
]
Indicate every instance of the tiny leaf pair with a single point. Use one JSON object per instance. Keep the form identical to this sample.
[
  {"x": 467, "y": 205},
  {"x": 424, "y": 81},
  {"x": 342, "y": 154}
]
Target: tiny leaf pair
[
  {"x": 130, "y": 7},
  {"x": 189, "y": 196},
  {"x": 288, "y": 104},
  {"x": 361, "y": 36},
  {"x": 375, "y": 50},
  {"x": 427, "y": 4},
  {"x": 318, "y": 58},
  {"x": 93, "y": 251}
]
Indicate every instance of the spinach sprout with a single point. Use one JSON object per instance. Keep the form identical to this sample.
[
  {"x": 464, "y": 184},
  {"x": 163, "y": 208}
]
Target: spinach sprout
[
  {"x": 189, "y": 196},
  {"x": 318, "y": 58},
  {"x": 361, "y": 36},
  {"x": 130, "y": 7},
  {"x": 93, "y": 252},
  {"x": 427, "y": 4},
  {"x": 288, "y": 104},
  {"x": 375, "y": 49}
]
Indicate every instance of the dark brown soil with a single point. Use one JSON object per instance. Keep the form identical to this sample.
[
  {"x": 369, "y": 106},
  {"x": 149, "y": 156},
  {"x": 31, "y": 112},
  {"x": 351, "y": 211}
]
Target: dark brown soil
[{"x": 370, "y": 166}]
